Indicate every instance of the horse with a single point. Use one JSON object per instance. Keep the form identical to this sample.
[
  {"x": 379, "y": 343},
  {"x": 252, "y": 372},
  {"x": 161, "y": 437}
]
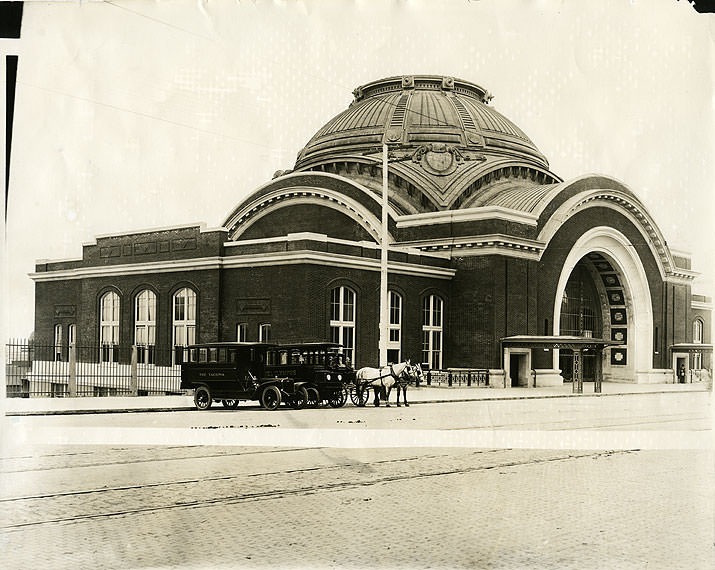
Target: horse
[
  {"x": 381, "y": 378},
  {"x": 414, "y": 373}
]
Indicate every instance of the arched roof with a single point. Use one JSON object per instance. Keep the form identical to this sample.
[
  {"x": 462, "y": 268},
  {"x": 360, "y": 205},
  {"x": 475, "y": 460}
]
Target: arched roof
[{"x": 322, "y": 188}]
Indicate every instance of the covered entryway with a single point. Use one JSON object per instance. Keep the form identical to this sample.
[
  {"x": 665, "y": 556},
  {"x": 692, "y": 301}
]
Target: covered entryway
[
  {"x": 515, "y": 346},
  {"x": 683, "y": 357}
]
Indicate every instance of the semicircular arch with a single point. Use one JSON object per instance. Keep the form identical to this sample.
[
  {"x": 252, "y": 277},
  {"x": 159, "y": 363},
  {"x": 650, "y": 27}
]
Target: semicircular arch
[
  {"x": 601, "y": 191},
  {"x": 619, "y": 251},
  {"x": 325, "y": 189}
]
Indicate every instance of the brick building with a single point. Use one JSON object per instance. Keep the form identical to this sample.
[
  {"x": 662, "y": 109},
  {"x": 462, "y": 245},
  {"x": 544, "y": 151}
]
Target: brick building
[{"x": 486, "y": 244}]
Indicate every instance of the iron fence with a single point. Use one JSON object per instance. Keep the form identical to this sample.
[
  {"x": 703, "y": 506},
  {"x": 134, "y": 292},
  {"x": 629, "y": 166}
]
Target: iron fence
[
  {"x": 458, "y": 377},
  {"x": 34, "y": 370}
]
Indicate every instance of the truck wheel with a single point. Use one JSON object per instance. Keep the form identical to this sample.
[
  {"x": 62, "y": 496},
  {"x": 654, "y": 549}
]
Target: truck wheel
[
  {"x": 313, "y": 398},
  {"x": 300, "y": 398},
  {"x": 271, "y": 398},
  {"x": 231, "y": 404},
  {"x": 202, "y": 398}
]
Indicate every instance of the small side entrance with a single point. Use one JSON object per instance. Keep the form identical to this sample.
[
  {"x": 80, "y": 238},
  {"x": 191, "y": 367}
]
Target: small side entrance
[
  {"x": 519, "y": 367},
  {"x": 681, "y": 366}
]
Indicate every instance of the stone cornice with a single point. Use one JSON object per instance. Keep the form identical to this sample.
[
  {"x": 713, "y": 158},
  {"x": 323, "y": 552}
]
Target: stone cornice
[
  {"x": 311, "y": 236},
  {"x": 258, "y": 260},
  {"x": 704, "y": 305},
  {"x": 200, "y": 226},
  {"x": 466, "y": 215},
  {"x": 482, "y": 245}
]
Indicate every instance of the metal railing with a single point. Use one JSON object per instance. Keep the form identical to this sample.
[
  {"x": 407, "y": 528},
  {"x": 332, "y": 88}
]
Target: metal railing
[
  {"x": 34, "y": 370},
  {"x": 458, "y": 377}
]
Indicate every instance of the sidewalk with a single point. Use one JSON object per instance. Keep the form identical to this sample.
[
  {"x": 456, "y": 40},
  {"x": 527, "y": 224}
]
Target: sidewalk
[{"x": 421, "y": 395}]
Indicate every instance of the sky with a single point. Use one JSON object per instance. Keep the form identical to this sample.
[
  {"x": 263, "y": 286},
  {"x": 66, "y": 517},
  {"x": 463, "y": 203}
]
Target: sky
[{"x": 144, "y": 114}]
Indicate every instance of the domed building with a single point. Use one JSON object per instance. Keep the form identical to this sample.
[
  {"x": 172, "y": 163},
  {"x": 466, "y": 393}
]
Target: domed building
[{"x": 494, "y": 262}]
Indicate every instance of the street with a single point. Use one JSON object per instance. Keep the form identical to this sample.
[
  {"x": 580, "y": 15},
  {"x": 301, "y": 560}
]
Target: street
[{"x": 136, "y": 505}]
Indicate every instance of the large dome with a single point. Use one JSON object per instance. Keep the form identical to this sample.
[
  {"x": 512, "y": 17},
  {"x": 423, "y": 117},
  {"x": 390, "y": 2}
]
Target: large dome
[{"x": 418, "y": 110}]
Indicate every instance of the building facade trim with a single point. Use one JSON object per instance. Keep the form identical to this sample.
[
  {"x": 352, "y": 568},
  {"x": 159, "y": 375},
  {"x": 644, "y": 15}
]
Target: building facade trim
[
  {"x": 264, "y": 259},
  {"x": 466, "y": 215},
  {"x": 628, "y": 206}
]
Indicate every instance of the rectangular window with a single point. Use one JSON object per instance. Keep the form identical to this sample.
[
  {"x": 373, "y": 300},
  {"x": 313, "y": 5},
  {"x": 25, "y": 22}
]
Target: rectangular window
[
  {"x": 58, "y": 342},
  {"x": 179, "y": 308},
  {"x": 394, "y": 327},
  {"x": 179, "y": 336},
  {"x": 432, "y": 332},
  {"x": 72, "y": 334},
  {"x": 241, "y": 332},
  {"x": 335, "y": 305}
]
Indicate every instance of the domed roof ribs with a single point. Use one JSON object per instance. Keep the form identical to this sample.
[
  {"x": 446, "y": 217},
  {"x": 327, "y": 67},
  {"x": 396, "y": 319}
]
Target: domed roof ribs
[{"x": 441, "y": 129}]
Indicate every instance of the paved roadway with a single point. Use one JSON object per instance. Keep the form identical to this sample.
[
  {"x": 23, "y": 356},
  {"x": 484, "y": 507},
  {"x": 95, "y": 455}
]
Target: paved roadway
[{"x": 140, "y": 506}]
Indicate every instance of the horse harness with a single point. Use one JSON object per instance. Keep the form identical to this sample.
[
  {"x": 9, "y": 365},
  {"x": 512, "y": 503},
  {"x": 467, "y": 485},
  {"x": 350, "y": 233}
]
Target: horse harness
[{"x": 392, "y": 373}]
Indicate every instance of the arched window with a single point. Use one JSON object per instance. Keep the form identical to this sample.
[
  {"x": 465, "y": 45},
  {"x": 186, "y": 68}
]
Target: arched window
[
  {"x": 242, "y": 332},
  {"x": 698, "y": 331},
  {"x": 145, "y": 326},
  {"x": 183, "y": 321},
  {"x": 109, "y": 327},
  {"x": 264, "y": 332},
  {"x": 698, "y": 339},
  {"x": 394, "y": 328},
  {"x": 432, "y": 332},
  {"x": 342, "y": 319}
]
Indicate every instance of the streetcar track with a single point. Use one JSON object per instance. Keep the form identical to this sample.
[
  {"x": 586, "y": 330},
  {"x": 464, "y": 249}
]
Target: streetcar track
[
  {"x": 225, "y": 477},
  {"x": 155, "y": 460},
  {"x": 643, "y": 423},
  {"x": 328, "y": 487},
  {"x": 571, "y": 420}
]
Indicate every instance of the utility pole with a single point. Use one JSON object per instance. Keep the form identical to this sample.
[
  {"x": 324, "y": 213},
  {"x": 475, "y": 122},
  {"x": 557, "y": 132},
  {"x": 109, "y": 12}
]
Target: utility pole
[{"x": 384, "y": 308}]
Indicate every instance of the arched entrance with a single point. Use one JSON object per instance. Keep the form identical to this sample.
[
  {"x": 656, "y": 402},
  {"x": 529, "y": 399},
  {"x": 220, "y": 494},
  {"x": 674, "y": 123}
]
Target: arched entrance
[
  {"x": 603, "y": 291},
  {"x": 581, "y": 315}
]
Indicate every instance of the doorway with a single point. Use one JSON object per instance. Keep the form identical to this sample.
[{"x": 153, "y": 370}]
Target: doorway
[
  {"x": 518, "y": 370},
  {"x": 681, "y": 368}
]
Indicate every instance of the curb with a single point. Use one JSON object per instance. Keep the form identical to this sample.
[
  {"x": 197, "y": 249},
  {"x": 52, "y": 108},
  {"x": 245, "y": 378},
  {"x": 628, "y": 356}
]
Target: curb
[{"x": 456, "y": 400}]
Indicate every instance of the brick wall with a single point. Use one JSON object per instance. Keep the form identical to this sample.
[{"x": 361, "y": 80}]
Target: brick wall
[
  {"x": 307, "y": 218},
  {"x": 295, "y": 299}
]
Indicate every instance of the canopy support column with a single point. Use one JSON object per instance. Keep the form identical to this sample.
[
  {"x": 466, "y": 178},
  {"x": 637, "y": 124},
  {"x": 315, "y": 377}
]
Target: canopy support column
[
  {"x": 599, "y": 371},
  {"x": 577, "y": 371}
]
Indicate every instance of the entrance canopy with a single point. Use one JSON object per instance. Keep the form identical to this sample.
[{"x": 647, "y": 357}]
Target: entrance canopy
[
  {"x": 579, "y": 344},
  {"x": 691, "y": 347},
  {"x": 558, "y": 341}
]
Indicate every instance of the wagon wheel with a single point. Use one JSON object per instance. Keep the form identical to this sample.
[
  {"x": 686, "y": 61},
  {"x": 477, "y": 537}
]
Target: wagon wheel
[
  {"x": 338, "y": 398},
  {"x": 300, "y": 398},
  {"x": 202, "y": 398},
  {"x": 354, "y": 395},
  {"x": 230, "y": 404},
  {"x": 313, "y": 398},
  {"x": 271, "y": 398},
  {"x": 363, "y": 395}
]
